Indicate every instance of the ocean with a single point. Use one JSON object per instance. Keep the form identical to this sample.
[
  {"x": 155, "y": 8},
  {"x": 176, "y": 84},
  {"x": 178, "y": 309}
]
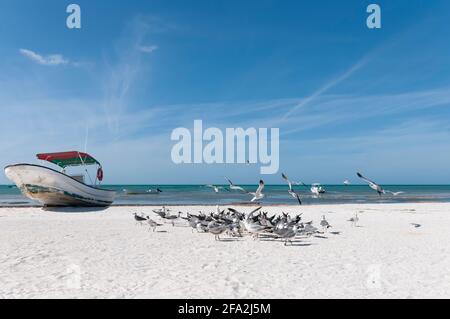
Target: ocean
[{"x": 275, "y": 194}]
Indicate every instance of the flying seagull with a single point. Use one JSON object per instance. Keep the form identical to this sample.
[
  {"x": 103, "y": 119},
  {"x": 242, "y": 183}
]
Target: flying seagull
[
  {"x": 394, "y": 193},
  {"x": 235, "y": 187},
  {"x": 377, "y": 187},
  {"x": 372, "y": 184},
  {"x": 215, "y": 188},
  {"x": 258, "y": 194},
  {"x": 291, "y": 189}
]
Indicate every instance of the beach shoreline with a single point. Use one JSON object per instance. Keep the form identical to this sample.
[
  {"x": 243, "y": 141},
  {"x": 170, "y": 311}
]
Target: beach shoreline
[
  {"x": 62, "y": 253},
  {"x": 231, "y": 204}
]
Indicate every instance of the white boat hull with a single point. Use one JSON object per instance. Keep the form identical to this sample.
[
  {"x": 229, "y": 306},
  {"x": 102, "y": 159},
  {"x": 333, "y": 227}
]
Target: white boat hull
[{"x": 52, "y": 188}]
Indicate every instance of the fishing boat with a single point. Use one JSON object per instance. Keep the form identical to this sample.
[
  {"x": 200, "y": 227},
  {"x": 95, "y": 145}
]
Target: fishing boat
[
  {"x": 53, "y": 187},
  {"x": 317, "y": 189}
]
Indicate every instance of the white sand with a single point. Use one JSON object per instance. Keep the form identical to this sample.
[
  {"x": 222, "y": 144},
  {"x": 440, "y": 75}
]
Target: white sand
[{"x": 105, "y": 255}]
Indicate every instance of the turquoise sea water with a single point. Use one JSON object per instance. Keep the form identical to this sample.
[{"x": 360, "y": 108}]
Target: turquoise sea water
[{"x": 275, "y": 194}]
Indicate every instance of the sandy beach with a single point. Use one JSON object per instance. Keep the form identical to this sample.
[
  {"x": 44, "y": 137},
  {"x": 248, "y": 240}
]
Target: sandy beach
[{"x": 104, "y": 254}]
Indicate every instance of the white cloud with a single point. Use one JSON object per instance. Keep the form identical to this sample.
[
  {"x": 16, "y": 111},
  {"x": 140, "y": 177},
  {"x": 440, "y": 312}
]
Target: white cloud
[
  {"x": 148, "y": 49},
  {"x": 51, "y": 60}
]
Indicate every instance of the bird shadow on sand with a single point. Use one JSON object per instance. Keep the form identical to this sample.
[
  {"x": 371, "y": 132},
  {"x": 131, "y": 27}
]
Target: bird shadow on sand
[
  {"x": 228, "y": 240},
  {"x": 298, "y": 243},
  {"x": 74, "y": 210}
]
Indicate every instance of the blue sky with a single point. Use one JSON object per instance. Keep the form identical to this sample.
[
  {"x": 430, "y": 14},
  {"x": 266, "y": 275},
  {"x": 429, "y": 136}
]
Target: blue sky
[{"x": 345, "y": 98}]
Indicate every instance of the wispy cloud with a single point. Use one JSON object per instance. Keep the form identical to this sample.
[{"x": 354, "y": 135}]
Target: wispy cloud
[
  {"x": 148, "y": 48},
  {"x": 49, "y": 60}
]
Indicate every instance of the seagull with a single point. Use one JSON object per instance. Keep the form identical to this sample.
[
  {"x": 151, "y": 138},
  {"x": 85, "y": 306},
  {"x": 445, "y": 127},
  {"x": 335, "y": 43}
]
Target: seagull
[
  {"x": 325, "y": 225},
  {"x": 372, "y": 184},
  {"x": 377, "y": 187},
  {"x": 218, "y": 211},
  {"x": 139, "y": 219},
  {"x": 215, "y": 188},
  {"x": 395, "y": 193},
  {"x": 416, "y": 225},
  {"x": 153, "y": 224},
  {"x": 253, "y": 225},
  {"x": 217, "y": 228},
  {"x": 354, "y": 220},
  {"x": 254, "y": 228},
  {"x": 291, "y": 189},
  {"x": 258, "y": 194},
  {"x": 172, "y": 217},
  {"x": 287, "y": 233},
  {"x": 235, "y": 187},
  {"x": 161, "y": 212},
  {"x": 309, "y": 229}
]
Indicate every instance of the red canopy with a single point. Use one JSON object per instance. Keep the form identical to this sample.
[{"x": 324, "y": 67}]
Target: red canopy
[{"x": 64, "y": 159}]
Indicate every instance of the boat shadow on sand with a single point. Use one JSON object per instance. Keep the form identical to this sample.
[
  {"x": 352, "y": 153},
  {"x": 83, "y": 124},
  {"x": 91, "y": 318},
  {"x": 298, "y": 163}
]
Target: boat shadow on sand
[{"x": 74, "y": 210}]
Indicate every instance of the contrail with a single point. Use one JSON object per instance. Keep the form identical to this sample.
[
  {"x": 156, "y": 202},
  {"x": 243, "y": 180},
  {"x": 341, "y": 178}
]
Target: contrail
[{"x": 324, "y": 88}]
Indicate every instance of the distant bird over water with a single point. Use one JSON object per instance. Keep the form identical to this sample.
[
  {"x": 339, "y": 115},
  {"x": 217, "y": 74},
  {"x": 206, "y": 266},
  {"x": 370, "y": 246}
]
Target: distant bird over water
[
  {"x": 291, "y": 189},
  {"x": 235, "y": 187},
  {"x": 377, "y": 187},
  {"x": 215, "y": 188},
  {"x": 372, "y": 184}
]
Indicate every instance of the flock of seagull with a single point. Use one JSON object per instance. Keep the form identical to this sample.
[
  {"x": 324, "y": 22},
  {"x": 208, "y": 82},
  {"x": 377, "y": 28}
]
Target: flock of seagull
[
  {"x": 316, "y": 189},
  {"x": 234, "y": 223},
  {"x": 257, "y": 223}
]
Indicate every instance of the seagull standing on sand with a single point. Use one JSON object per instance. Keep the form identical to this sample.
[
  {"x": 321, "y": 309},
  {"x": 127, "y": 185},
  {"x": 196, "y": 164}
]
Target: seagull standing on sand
[
  {"x": 252, "y": 224},
  {"x": 139, "y": 219},
  {"x": 324, "y": 223},
  {"x": 354, "y": 220},
  {"x": 235, "y": 187},
  {"x": 287, "y": 234},
  {"x": 172, "y": 218},
  {"x": 217, "y": 228},
  {"x": 258, "y": 194},
  {"x": 291, "y": 189},
  {"x": 153, "y": 225},
  {"x": 161, "y": 212}
]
